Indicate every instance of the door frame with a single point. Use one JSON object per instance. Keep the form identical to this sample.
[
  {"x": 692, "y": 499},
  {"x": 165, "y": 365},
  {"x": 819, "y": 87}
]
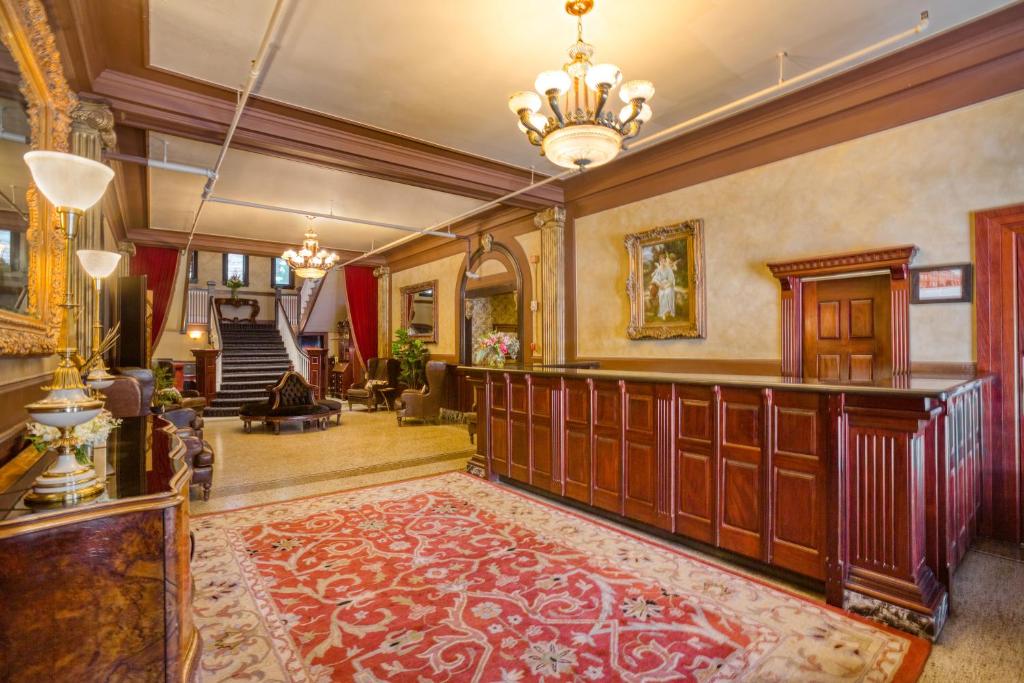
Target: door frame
[
  {"x": 998, "y": 243},
  {"x": 792, "y": 274}
]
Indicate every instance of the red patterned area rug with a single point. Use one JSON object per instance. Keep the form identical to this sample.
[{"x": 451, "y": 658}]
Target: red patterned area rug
[{"x": 450, "y": 578}]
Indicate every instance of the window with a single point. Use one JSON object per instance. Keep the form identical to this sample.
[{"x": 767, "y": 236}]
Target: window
[
  {"x": 193, "y": 266},
  {"x": 6, "y": 249},
  {"x": 281, "y": 275},
  {"x": 236, "y": 265}
]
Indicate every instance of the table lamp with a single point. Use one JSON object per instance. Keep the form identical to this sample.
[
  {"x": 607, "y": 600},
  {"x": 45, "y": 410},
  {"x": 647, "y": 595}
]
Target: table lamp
[{"x": 72, "y": 184}]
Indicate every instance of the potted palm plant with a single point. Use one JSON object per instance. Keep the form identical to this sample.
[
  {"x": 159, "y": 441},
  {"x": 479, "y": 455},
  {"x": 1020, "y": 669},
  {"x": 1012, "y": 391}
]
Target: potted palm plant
[{"x": 412, "y": 355}]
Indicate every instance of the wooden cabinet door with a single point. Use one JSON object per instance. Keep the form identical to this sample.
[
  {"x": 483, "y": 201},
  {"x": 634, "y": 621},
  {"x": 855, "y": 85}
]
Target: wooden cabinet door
[
  {"x": 577, "y": 456},
  {"x": 607, "y": 450},
  {"x": 740, "y": 472},
  {"x": 695, "y": 463},
  {"x": 640, "y": 491},
  {"x": 797, "y": 483},
  {"x": 543, "y": 433},
  {"x": 846, "y": 329},
  {"x": 518, "y": 427},
  {"x": 498, "y": 429}
]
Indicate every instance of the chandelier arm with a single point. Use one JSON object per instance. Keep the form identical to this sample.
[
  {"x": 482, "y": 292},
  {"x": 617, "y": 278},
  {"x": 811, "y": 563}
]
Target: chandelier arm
[
  {"x": 638, "y": 106},
  {"x": 524, "y": 118},
  {"x": 534, "y": 138},
  {"x": 602, "y": 98},
  {"x": 631, "y": 129},
  {"x": 553, "y": 103}
]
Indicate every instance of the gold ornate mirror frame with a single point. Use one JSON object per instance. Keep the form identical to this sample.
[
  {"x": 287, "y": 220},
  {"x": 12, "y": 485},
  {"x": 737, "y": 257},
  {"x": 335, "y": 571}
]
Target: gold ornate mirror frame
[{"x": 26, "y": 33}]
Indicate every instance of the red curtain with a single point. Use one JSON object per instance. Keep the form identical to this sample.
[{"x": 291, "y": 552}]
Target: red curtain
[
  {"x": 159, "y": 265},
  {"x": 361, "y": 291}
]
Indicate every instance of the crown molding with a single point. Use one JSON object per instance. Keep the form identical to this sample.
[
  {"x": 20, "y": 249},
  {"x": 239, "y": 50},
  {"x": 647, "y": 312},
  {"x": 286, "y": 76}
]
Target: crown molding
[
  {"x": 847, "y": 262},
  {"x": 969, "y": 64}
]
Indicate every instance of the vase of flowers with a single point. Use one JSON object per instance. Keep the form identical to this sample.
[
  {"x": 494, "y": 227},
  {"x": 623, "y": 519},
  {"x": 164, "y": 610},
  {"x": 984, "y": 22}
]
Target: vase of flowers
[
  {"x": 84, "y": 437},
  {"x": 494, "y": 348},
  {"x": 234, "y": 283}
]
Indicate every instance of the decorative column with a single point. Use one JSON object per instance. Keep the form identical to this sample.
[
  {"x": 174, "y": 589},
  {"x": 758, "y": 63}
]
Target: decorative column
[
  {"x": 552, "y": 277},
  {"x": 92, "y": 131},
  {"x": 383, "y": 275}
]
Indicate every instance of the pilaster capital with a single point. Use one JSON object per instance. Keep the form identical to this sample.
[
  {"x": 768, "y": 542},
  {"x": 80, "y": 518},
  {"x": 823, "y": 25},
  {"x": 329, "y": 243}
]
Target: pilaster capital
[
  {"x": 94, "y": 118},
  {"x": 126, "y": 248},
  {"x": 381, "y": 272},
  {"x": 550, "y": 217}
]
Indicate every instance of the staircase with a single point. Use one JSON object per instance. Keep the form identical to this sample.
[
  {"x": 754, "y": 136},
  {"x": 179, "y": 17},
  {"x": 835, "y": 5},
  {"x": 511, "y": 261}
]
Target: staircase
[{"x": 252, "y": 356}]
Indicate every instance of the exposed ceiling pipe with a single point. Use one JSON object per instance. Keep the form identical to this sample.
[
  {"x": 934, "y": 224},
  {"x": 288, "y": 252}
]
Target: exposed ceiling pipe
[
  {"x": 161, "y": 164},
  {"x": 329, "y": 216},
  {"x": 710, "y": 116},
  {"x": 685, "y": 126},
  {"x": 254, "y": 74},
  {"x": 429, "y": 230}
]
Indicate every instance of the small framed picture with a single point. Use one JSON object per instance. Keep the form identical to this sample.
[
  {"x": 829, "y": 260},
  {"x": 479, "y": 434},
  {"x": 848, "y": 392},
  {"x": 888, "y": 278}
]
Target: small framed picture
[{"x": 941, "y": 284}]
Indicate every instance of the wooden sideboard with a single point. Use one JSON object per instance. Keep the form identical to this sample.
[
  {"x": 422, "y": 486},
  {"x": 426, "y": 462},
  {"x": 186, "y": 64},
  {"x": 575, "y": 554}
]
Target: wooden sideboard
[
  {"x": 872, "y": 490},
  {"x": 101, "y": 591}
]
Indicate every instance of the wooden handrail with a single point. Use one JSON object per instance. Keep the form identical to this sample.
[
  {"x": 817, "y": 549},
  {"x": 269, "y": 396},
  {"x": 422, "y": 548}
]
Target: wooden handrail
[{"x": 312, "y": 304}]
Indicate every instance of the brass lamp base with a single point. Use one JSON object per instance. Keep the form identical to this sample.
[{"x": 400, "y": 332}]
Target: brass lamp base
[{"x": 65, "y": 482}]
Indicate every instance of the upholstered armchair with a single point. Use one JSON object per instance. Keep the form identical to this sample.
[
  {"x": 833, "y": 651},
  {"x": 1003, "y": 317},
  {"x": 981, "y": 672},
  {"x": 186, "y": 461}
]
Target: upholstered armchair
[
  {"x": 424, "y": 404},
  {"x": 291, "y": 399},
  {"x": 198, "y": 452},
  {"x": 130, "y": 393},
  {"x": 381, "y": 374}
]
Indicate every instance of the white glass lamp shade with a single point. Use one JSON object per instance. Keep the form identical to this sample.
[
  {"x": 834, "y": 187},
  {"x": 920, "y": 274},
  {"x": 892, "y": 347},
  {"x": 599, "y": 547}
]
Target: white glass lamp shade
[
  {"x": 603, "y": 74},
  {"x": 64, "y": 408},
  {"x": 557, "y": 80},
  {"x": 582, "y": 146},
  {"x": 99, "y": 264},
  {"x": 288, "y": 255},
  {"x": 539, "y": 122},
  {"x": 310, "y": 273},
  {"x": 643, "y": 117},
  {"x": 68, "y": 180},
  {"x": 636, "y": 90},
  {"x": 524, "y": 99}
]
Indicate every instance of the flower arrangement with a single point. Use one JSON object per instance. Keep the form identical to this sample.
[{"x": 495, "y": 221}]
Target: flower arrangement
[
  {"x": 234, "y": 283},
  {"x": 92, "y": 433},
  {"x": 493, "y": 348}
]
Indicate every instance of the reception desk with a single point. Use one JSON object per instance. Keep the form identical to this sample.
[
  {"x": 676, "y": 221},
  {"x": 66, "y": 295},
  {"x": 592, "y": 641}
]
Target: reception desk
[{"x": 871, "y": 489}]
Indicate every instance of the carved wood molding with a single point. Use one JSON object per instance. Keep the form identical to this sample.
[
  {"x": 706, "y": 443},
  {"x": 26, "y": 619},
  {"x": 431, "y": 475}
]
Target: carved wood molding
[
  {"x": 896, "y": 258},
  {"x": 26, "y": 33},
  {"x": 254, "y": 305},
  {"x": 791, "y": 276}
]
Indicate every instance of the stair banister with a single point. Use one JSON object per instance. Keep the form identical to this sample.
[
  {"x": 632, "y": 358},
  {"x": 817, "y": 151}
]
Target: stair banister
[
  {"x": 298, "y": 357},
  {"x": 214, "y": 330},
  {"x": 307, "y": 310}
]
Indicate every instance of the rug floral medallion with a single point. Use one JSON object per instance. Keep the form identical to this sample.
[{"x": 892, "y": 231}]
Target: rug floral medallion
[{"x": 451, "y": 578}]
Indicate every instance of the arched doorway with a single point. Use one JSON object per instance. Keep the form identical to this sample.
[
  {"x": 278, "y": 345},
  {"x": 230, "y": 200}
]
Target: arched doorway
[{"x": 492, "y": 296}]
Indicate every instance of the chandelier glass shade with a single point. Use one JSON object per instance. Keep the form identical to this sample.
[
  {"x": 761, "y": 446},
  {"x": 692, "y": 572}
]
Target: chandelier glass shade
[
  {"x": 581, "y": 131},
  {"x": 310, "y": 261}
]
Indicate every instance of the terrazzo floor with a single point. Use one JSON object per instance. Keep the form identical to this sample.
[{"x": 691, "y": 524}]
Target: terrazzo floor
[{"x": 983, "y": 639}]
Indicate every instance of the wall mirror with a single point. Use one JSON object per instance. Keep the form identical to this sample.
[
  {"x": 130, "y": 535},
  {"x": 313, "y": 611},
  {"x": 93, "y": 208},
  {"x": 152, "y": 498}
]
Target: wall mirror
[
  {"x": 35, "y": 105},
  {"x": 419, "y": 310}
]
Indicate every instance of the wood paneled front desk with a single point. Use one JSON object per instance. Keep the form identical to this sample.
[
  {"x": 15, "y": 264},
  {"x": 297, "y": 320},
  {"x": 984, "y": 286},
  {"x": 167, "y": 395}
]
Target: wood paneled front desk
[
  {"x": 101, "y": 591},
  {"x": 872, "y": 490}
]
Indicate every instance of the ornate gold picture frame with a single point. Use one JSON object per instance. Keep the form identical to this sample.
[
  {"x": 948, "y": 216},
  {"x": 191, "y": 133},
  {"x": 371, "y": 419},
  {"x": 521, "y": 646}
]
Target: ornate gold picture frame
[
  {"x": 419, "y": 311},
  {"x": 666, "y": 282},
  {"x": 26, "y": 35}
]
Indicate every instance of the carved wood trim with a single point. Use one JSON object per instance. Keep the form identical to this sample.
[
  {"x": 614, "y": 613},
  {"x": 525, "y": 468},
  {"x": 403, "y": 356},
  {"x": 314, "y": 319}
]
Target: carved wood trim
[
  {"x": 26, "y": 33},
  {"x": 253, "y": 303},
  {"x": 792, "y": 274}
]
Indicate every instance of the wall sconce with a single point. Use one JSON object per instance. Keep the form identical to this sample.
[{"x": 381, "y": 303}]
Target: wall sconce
[{"x": 195, "y": 332}]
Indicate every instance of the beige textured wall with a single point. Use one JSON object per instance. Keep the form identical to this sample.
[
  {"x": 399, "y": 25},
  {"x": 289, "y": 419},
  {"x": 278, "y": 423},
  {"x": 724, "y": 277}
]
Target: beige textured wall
[
  {"x": 446, "y": 272},
  {"x": 530, "y": 242},
  {"x": 913, "y": 184}
]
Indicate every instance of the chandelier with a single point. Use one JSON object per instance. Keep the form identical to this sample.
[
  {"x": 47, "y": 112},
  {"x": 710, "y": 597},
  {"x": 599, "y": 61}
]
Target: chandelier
[
  {"x": 580, "y": 133},
  {"x": 310, "y": 262}
]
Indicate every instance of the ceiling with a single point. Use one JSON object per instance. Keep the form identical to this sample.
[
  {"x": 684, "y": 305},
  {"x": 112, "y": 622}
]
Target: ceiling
[
  {"x": 441, "y": 71},
  {"x": 174, "y": 198}
]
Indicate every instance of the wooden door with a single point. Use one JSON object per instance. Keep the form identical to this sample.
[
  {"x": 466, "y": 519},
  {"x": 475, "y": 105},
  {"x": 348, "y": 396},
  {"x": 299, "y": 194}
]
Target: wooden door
[{"x": 847, "y": 329}]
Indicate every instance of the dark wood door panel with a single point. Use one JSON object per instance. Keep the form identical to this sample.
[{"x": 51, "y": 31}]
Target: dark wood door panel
[
  {"x": 577, "y": 401},
  {"x": 740, "y": 472},
  {"x": 847, "y": 326},
  {"x": 607, "y": 398},
  {"x": 517, "y": 401},
  {"x": 542, "y": 468},
  {"x": 695, "y": 497},
  {"x": 519, "y": 449},
  {"x": 797, "y": 485},
  {"x": 577, "y": 463},
  {"x": 640, "y": 495},
  {"x": 499, "y": 444},
  {"x": 608, "y": 472}
]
